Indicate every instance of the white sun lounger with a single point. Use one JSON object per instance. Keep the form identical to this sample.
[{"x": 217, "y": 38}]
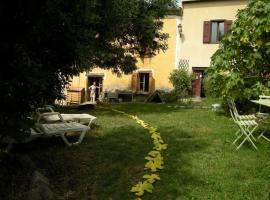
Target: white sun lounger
[
  {"x": 81, "y": 118},
  {"x": 58, "y": 129}
]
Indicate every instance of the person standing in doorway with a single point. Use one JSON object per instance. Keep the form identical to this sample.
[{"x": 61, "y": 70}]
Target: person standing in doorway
[{"x": 92, "y": 89}]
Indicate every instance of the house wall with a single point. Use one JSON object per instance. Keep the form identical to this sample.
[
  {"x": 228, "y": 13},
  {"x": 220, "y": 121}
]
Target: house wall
[
  {"x": 161, "y": 65},
  {"x": 194, "y": 14}
]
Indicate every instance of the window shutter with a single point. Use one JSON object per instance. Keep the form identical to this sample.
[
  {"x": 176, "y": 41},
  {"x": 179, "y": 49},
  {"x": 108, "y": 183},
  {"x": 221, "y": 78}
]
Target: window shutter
[
  {"x": 227, "y": 26},
  {"x": 151, "y": 83},
  {"x": 206, "y": 31},
  {"x": 134, "y": 82}
]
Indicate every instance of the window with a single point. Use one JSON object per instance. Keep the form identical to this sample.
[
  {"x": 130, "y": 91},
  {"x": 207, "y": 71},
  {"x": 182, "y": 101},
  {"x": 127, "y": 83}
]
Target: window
[
  {"x": 214, "y": 30},
  {"x": 217, "y": 31},
  {"x": 144, "y": 82}
]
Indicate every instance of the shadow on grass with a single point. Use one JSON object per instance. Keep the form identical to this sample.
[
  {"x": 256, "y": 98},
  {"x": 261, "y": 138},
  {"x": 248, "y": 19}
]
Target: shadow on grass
[
  {"x": 107, "y": 165},
  {"x": 101, "y": 167}
]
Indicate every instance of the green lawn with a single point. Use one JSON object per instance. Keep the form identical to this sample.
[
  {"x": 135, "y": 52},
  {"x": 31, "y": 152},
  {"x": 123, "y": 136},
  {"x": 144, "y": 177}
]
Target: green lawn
[{"x": 200, "y": 162}]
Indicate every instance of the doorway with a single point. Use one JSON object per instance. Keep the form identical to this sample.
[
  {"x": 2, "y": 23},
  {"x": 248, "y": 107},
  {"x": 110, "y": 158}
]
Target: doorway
[
  {"x": 198, "y": 89},
  {"x": 99, "y": 83}
]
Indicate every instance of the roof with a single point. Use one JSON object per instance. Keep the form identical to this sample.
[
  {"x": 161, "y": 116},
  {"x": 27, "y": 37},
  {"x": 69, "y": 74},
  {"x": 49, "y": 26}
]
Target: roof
[{"x": 175, "y": 11}]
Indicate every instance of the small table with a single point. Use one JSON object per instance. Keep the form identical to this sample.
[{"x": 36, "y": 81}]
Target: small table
[{"x": 262, "y": 102}]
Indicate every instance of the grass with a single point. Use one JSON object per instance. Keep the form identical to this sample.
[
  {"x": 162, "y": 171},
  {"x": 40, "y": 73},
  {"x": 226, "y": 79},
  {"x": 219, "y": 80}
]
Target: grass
[{"x": 200, "y": 162}]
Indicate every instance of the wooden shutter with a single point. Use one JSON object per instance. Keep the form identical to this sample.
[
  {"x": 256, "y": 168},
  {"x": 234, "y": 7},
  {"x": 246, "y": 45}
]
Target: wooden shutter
[
  {"x": 135, "y": 82},
  {"x": 151, "y": 82},
  {"x": 206, "y": 31},
  {"x": 227, "y": 26}
]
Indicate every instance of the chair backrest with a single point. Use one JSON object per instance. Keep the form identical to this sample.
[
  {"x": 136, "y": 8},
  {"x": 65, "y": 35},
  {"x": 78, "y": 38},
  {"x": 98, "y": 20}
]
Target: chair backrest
[
  {"x": 232, "y": 106},
  {"x": 44, "y": 109},
  {"x": 50, "y": 117},
  {"x": 264, "y": 97},
  {"x": 233, "y": 116}
]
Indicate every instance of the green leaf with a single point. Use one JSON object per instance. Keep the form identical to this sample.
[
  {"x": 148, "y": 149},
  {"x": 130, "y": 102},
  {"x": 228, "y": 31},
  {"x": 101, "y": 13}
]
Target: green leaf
[
  {"x": 148, "y": 186},
  {"x": 156, "y": 163},
  {"x": 141, "y": 187},
  {"x": 151, "y": 178},
  {"x": 138, "y": 189},
  {"x": 156, "y": 136},
  {"x": 154, "y": 153},
  {"x": 160, "y": 147}
]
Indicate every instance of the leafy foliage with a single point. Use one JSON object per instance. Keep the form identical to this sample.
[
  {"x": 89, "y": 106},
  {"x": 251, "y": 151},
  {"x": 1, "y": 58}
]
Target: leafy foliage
[
  {"x": 240, "y": 68},
  {"x": 45, "y": 43},
  {"x": 182, "y": 81}
]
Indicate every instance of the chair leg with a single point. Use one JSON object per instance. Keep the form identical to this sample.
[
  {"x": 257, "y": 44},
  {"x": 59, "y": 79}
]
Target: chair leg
[
  {"x": 247, "y": 138},
  {"x": 90, "y": 122},
  {"x": 248, "y": 134},
  {"x": 239, "y": 134},
  {"x": 238, "y": 137},
  {"x": 83, "y": 132},
  {"x": 63, "y": 136},
  {"x": 252, "y": 132},
  {"x": 81, "y": 137},
  {"x": 262, "y": 135}
]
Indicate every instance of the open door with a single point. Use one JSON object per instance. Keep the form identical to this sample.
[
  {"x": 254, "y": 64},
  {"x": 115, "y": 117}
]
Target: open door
[
  {"x": 99, "y": 83},
  {"x": 198, "y": 90}
]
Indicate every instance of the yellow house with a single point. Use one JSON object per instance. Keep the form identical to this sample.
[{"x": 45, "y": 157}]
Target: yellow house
[
  {"x": 204, "y": 23},
  {"x": 152, "y": 73},
  {"x": 194, "y": 35}
]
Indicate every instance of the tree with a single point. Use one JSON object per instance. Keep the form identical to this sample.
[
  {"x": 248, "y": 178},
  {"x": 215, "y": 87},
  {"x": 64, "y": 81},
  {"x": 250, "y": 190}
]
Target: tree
[
  {"x": 240, "y": 68},
  {"x": 46, "y": 42}
]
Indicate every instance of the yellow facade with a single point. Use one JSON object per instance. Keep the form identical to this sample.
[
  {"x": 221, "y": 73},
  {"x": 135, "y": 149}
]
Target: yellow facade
[
  {"x": 195, "y": 12},
  {"x": 160, "y": 66},
  {"x": 185, "y": 46}
]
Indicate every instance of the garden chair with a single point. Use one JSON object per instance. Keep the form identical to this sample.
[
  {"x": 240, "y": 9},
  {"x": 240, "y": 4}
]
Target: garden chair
[
  {"x": 58, "y": 129},
  {"x": 81, "y": 118},
  {"x": 232, "y": 107},
  {"x": 245, "y": 131}
]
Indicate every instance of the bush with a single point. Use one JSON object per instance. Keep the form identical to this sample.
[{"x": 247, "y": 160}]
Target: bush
[
  {"x": 207, "y": 88},
  {"x": 181, "y": 80}
]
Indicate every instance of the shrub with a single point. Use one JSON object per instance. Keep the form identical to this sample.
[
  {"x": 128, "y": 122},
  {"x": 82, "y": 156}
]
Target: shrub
[{"x": 181, "y": 80}]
